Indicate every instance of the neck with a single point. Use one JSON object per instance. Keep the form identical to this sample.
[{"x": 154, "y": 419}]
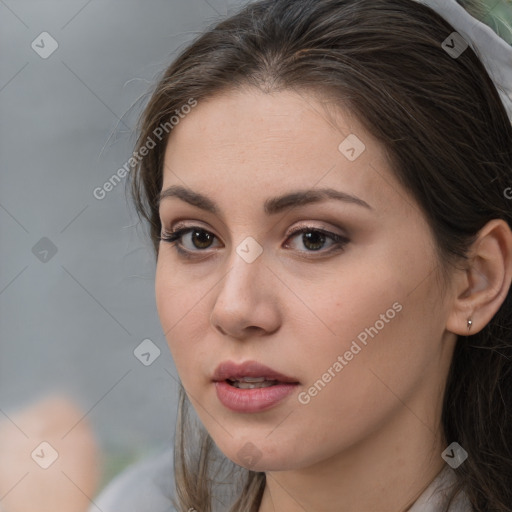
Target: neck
[{"x": 387, "y": 471}]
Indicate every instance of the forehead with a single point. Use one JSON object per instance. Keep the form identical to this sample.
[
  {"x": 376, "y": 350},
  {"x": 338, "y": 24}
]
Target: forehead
[{"x": 263, "y": 144}]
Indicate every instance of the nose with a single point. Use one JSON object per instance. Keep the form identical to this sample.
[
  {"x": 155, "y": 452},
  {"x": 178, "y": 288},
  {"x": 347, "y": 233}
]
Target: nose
[{"x": 247, "y": 302}]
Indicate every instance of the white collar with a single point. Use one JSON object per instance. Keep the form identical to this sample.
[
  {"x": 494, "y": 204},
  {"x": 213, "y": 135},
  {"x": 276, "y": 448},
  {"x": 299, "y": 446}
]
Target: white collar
[{"x": 435, "y": 497}]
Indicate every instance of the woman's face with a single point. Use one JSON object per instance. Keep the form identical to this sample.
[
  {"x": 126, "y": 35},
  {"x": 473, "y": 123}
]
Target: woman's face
[{"x": 350, "y": 309}]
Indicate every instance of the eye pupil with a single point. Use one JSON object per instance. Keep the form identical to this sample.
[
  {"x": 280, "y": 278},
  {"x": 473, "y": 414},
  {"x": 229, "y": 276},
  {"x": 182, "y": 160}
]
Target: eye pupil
[
  {"x": 205, "y": 235},
  {"x": 309, "y": 238}
]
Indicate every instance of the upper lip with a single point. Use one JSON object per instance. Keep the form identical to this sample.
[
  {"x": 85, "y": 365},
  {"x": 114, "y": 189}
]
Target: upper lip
[{"x": 232, "y": 370}]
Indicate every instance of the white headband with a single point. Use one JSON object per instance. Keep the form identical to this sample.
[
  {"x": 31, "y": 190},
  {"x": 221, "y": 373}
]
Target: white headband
[{"x": 494, "y": 52}]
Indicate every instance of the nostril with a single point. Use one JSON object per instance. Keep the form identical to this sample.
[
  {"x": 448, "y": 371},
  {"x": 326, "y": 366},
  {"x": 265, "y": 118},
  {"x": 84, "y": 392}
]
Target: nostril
[{"x": 254, "y": 328}]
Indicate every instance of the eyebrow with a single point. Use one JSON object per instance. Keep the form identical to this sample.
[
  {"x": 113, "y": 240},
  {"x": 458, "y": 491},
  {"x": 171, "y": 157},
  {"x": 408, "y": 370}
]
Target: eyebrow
[{"x": 272, "y": 205}]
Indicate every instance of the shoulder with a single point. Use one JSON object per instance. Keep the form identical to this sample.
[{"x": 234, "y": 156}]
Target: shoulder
[{"x": 147, "y": 486}]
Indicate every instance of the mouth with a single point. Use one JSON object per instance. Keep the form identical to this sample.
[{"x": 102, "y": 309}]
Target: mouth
[
  {"x": 250, "y": 375},
  {"x": 251, "y": 387}
]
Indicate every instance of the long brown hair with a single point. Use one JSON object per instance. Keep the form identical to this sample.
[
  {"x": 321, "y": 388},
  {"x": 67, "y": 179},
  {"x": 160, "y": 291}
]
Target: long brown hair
[{"x": 449, "y": 142}]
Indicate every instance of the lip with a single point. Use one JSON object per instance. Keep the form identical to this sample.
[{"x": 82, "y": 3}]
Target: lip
[
  {"x": 251, "y": 400},
  {"x": 231, "y": 370}
]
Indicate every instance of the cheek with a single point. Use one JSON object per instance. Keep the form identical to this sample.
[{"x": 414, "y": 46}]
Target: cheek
[
  {"x": 182, "y": 310},
  {"x": 374, "y": 318},
  {"x": 175, "y": 296},
  {"x": 345, "y": 304},
  {"x": 166, "y": 293}
]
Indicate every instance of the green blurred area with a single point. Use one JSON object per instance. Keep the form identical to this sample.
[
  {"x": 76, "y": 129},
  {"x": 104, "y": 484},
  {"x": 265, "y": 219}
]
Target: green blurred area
[
  {"x": 115, "y": 460},
  {"x": 499, "y": 17},
  {"x": 114, "y": 464}
]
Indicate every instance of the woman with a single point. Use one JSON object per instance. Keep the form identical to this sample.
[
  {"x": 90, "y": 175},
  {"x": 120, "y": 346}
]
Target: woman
[{"x": 326, "y": 186}]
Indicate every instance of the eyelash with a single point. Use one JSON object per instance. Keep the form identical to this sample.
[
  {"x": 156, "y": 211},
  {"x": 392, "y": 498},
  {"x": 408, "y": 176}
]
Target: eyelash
[{"x": 339, "y": 241}]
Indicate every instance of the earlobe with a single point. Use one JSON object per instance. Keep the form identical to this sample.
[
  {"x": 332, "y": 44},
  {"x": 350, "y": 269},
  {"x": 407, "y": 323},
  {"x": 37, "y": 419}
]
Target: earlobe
[{"x": 481, "y": 289}]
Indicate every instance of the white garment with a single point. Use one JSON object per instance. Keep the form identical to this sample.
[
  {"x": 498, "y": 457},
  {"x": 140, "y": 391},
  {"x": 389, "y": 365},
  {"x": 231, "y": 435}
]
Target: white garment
[
  {"x": 435, "y": 496},
  {"x": 493, "y": 51},
  {"x": 148, "y": 485}
]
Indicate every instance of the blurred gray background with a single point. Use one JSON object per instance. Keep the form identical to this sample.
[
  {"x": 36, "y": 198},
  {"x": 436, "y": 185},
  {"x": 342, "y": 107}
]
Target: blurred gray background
[{"x": 76, "y": 273}]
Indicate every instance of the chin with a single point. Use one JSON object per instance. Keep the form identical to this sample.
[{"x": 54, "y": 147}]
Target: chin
[{"x": 260, "y": 455}]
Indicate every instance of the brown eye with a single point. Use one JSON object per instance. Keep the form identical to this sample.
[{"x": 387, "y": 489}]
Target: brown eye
[
  {"x": 201, "y": 239},
  {"x": 314, "y": 239}
]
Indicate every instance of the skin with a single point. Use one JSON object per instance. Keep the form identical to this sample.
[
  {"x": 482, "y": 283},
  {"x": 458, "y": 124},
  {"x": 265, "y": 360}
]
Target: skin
[{"x": 371, "y": 439}]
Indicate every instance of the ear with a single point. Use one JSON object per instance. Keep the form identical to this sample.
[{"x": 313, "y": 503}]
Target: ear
[{"x": 482, "y": 287}]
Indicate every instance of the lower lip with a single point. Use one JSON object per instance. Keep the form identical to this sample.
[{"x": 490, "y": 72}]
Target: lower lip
[{"x": 252, "y": 400}]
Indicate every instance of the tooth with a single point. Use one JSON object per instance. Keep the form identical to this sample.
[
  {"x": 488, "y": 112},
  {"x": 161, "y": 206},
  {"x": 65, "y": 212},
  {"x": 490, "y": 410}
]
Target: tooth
[
  {"x": 249, "y": 385},
  {"x": 253, "y": 379}
]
